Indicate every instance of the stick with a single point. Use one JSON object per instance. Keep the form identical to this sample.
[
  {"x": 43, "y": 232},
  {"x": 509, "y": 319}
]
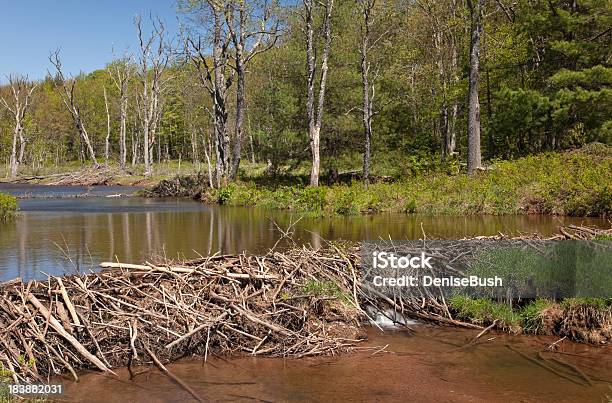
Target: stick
[
  {"x": 58, "y": 328},
  {"x": 73, "y": 314},
  {"x": 170, "y": 375}
]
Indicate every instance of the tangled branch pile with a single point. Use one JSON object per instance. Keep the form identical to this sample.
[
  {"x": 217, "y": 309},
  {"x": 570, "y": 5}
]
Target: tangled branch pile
[
  {"x": 297, "y": 304},
  {"x": 179, "y": 186}
]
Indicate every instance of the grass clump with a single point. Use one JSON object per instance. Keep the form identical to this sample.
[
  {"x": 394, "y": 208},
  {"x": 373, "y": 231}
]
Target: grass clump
[
  {"x": 484, "y": 311},
  {"x": 8, "y": 206},
  {"x": 533, "y": 316},
  {"x": 325, "y": 289}
]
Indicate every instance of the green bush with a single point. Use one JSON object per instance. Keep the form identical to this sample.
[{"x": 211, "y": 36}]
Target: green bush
[{"x": 8, "y": 206}]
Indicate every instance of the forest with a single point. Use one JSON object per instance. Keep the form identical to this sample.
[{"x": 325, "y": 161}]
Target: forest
[{"x": 378, "y": 88}]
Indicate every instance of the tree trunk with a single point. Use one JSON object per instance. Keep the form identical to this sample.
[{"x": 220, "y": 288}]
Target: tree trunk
[
  {"x": 14, "y": 162},
  {"x": 22, "y": 144},
  {"x": 122, "y": 133},
  {"x": 474, "y": 154},
  {"x": 108, "y": 130},
  {"x": 85, "y": 137},
  {"x": 367, "y": 106},
  {"x": 315, "y": 115},
  {"x": 240, "y": 104}
]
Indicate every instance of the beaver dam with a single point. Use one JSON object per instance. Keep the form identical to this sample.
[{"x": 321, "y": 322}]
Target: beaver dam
[{"x": 297, "y": 303}]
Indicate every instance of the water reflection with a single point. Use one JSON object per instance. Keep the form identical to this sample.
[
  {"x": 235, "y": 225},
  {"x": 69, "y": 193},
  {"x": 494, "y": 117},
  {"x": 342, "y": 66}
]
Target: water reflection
[{"x": 58, "y": 236}]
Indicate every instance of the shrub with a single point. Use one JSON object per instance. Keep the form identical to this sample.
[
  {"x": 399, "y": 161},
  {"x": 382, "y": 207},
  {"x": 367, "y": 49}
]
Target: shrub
[{"x": 8, "y": 206}]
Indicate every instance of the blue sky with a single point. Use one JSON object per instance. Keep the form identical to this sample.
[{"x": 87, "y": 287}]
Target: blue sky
[{"x": 85, "y": 30}]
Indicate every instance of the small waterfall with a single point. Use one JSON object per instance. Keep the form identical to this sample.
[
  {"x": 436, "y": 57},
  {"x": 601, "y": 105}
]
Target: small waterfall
[{"x": 388, "y": 318}]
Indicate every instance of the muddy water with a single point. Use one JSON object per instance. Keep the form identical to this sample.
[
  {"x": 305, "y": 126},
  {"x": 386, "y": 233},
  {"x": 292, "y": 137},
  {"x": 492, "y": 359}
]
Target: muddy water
[
  {"x": 63, "y": 235},
  {"x": 424, "y": 366}
]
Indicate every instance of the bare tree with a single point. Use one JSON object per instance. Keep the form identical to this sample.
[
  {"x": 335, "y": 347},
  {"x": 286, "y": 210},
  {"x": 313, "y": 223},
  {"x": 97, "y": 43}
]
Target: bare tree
[
  {"x": 366, "y": 7},
  {"x": 108, "y": 129},
  {"x": 315, "y": 113},
  {"x": 253, "y": 29},
  {"x": 153, "y": 60},
  {"x": 69, "y": 98},
  {"x": 474, "y": 156},
  {"x": 217, "y": 81},
  {"x": 22, "y": 91},
  {"x": 120, "y": 72}
]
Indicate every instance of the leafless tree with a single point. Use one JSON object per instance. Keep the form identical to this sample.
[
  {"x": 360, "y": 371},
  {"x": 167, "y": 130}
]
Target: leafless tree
[
  {"x": 120, "y": 72},
  {"x": 216, "y": 79},
  {"x": 22, "y": 91},
  {"x": 108, "y": 129},
  {"x": 254, "y": 29},
  {"x": 154, "y": 58},
  {"x": 69, "y": 98},
  {"x": 315, "y": 112},
  {"x": 474, "y": 156}
]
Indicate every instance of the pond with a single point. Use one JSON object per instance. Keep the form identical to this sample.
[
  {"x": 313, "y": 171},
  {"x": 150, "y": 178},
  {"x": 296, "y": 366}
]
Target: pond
[{"x": 55, "y": 234}]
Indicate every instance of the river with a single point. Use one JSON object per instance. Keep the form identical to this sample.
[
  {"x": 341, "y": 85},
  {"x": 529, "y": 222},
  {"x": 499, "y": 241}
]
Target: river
[
  {"x": 57, "y": 233},
  {"x": 428, "y": 365}
]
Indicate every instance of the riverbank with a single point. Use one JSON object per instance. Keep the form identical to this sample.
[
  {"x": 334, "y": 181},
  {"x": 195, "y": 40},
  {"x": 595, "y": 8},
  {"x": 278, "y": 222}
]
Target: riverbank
[{"x": 576, "y": 183}]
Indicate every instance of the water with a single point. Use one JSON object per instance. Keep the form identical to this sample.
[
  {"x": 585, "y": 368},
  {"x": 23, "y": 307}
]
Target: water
[
  {"x": 425, "y": 366},
  {"x": 68, "y": 234}
]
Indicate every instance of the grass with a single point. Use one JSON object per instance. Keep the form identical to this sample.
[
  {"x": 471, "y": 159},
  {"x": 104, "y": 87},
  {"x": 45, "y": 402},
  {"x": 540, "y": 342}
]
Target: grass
[
  {"x": 484, "y": 311},
  {"x": 325, "y": 289},
  {"x": 576, "y": 183},
  {"x": 539, "y": 316},
  {"x": 8, "y": 206}
]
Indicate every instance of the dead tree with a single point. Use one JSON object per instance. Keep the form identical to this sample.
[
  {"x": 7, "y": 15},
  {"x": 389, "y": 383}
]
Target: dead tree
[
  {"x": 474, "y": 156},
  {"x": 247, "y": 24},
  {"x": 153, "y": 59},
  {"x": 315, "y": 112},
  {"x": 217, "y": 81},
  {"x": 120, "y": 72},
  {"x": 22, "y": 91},
  {"x": 69, "y": 98},
  {"x": 108, "y": 129}
]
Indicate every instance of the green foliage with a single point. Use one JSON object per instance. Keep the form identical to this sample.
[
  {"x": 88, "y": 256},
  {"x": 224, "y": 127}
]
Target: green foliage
[
  {"x": 599, "y": 303},
  {"x": 8, "y": 206},
  {"x": 325, "y": 289},
  {"x": 484, "y": 311},
  {"x": 531, "y": 315}
]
